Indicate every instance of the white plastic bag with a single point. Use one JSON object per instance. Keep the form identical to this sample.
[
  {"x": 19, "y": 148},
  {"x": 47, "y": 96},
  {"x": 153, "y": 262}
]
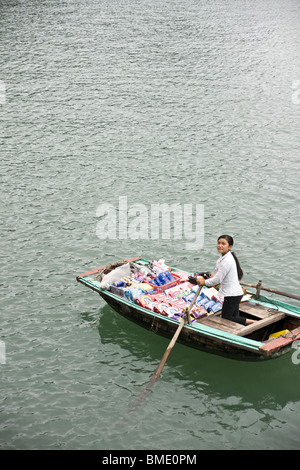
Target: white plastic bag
[{"x": 115, "y": 275}]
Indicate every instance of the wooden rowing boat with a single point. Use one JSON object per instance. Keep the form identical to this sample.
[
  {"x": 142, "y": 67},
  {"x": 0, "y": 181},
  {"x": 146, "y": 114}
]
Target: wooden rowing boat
[{"x": 214, "y": 334}]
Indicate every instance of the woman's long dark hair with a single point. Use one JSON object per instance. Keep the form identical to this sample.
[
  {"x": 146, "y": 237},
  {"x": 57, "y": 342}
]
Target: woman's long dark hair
[{"x": 238, "y": 267}]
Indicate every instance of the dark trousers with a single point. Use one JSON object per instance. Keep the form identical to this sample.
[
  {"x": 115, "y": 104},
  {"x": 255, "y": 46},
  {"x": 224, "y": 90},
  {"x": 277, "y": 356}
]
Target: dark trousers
[{"x": 230, "y": 309}]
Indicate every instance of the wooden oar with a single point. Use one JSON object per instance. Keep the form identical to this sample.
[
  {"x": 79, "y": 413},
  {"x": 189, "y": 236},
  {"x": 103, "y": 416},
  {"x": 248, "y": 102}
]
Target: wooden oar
[
  {"x": 160, "y": 366},
  {"x": 259, "y": 286}
]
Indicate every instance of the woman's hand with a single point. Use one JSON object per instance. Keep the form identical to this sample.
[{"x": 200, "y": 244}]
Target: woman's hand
[{"x": 200, "y": 281}]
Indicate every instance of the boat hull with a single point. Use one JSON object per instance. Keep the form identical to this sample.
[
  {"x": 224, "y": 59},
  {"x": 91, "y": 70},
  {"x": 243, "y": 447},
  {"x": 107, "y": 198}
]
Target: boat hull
[
  {"x": 208, "y": 335},
  {"x": 189, "y": 337}
]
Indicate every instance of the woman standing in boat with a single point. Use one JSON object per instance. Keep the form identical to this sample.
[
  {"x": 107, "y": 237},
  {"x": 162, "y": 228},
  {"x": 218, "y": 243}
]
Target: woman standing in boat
[{"x": 228, "y": 274}]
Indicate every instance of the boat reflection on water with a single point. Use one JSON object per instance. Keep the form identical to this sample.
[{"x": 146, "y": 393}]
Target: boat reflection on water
[{"x": 200, "y": 374}]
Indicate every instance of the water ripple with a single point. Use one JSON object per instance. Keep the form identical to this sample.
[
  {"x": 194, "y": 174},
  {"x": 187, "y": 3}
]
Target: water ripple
[{"x": 162, "y": 102}]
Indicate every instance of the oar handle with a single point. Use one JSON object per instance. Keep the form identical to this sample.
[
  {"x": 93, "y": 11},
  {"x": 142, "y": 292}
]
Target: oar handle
[
  {"x": 189, "y": 308},
  {"x": 173, "y": 340},
  {"x": 274, "y": 291},
  {"x": 194, "y": 298},
  {"x": 160, "y": 366}
]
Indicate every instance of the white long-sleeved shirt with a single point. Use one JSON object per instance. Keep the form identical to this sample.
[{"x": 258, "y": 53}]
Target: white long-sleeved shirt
[{"x": 227, "y": 276}]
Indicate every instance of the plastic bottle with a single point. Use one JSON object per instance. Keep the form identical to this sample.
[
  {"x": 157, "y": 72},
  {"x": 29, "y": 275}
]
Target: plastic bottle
[
  {"x": 157, "y": 267},
  {"x": 168, "y": 275},
  {"x": 162, "y": 279}
]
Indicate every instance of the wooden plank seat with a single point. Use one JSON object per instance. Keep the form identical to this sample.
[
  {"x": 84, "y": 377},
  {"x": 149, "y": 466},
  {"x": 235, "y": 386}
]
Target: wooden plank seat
[
  {"x": 265, "y": 316},
  {"x": 273, "y": 318},
  {"x": 257, "y": 310},
  {"x": 216, "y": 321}
]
